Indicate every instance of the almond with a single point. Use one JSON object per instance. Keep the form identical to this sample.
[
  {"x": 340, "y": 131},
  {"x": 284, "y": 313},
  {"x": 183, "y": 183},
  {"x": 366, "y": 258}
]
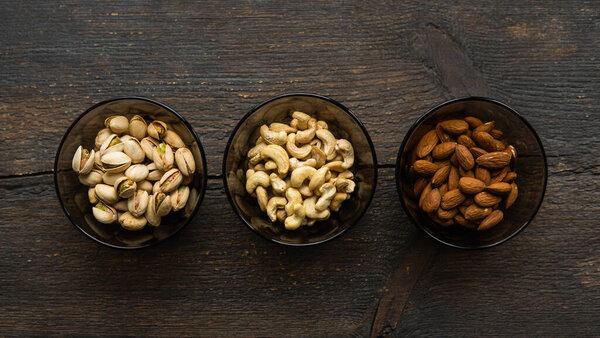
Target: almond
[
  {"x": 468, "y": 201},
  {"x": 459, "y": 219},
  {"x": 425, "y": 168},
  {"x": 453, "y": 159},
  {"x": 512, "y": 196},
  {"x": 454, "y": 127},
  {"x": 499, "y": 176},
  {"x": 486, "y": 127},
  {"x": 476, "y": 152},
  {"x": 445, "y": 223},
  {"x": 440, "y": 176},
  {"x": 496, "y": 133},
  {"x": 452, "y": 199},
  {"x": 485, "y": 141},
  {"x": 491, "y": 220},
  {"x": 443, "y": 150},
  {"x": 473, "y": 122},
  {"x": 498, "y": 145},
  {"x": 470, "y": 185},
  {"x": 465, "y": 173},
  {"x": 453, "y": 178},
  {"x": 441, "y": 134},
  {"x": 446, "y": 214},
  {"x": 464, "y": 157},
  {"x": 431, "y": 201},
  {"x": 486, "y": 199},
  {"x": 494, "y": 160},
  {"x": 466, "y": 141},
  {"x": 426, "y": 144},
  {"x": 510, "y": 177},
  {"x": 424, "y": 193},
  {"x": 474, "y": 212},
  {"x": 483, "y": 175},
  {"x": 500, "y": 188},
  {"x": 419, "y": 185},
  {"x": 443, "y": 189}
]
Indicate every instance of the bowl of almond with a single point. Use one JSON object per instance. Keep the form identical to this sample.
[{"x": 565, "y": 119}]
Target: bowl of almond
[{"x": 471, "y": 173}]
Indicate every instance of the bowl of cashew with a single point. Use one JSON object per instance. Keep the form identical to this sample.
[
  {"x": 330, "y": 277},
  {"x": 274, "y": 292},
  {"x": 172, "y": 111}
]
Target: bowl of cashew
[{"x": 300, "y": 169}]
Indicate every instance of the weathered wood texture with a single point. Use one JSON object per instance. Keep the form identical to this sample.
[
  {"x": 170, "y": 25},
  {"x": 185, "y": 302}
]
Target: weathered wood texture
[{"x": 387, "y": 61}]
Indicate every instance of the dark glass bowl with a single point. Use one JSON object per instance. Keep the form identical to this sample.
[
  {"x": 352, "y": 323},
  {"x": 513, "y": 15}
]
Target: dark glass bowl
[
  {"x": 343, "y": 123},
  {"x": 73, "y": 195},
  {"x": 531, "y": 168}
]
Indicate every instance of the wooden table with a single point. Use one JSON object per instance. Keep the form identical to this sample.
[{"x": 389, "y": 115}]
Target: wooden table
[{"x": 387, "y": 61}]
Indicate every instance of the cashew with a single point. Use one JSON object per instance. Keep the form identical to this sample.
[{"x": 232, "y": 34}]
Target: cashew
[
  {"x": 345, "y": 185},
  {"x": 254, "y": 153},
  {"x": 281, "y": 215},
  {"x": 279, "y": 156},
  {"x": 305, "y": 136},
  {"x": 249, "y": 173},
  {"x": 322, "y": 125},
  {"x": 277, "y": 127},
  {"x": 294, "y": 221},
  {"x": 336, "y": 166},
  {"x": 327, "y": 191},
  {"x": 336, "y": 202},
  {"x": 311, "y": 211},
  {"x": 258, "y": 178},
  {"x": 293, "y": 197},
  {"x": 305, "y": 191},
  {"x": 295, "y": 163},
  {"x": 299, "y": 175},
  {"x": 345, "y": 149},
  {"x": 319, "y": 156},
  {"x": 338, "y": 157},
  {"x": 328, "y": 143},
  {"x": 346, "y": 174},
  {"x": 277, "y": 183},
  {"x": 295, "y": 151},
  {"x": 262, "y": 197},
  {"x": 259, "y": 140},
  {"x": 270, "y": 165},
  {"x": 274, "y": 204},
  {"x": 294, "y": 124},
  {"x": 318, "y": 178},
  {"x": 260, "y": 167},
  {"x": 311, "y": 222},
  {"x": 302, "y": 119},
  {"x": 273, "y": 137}
]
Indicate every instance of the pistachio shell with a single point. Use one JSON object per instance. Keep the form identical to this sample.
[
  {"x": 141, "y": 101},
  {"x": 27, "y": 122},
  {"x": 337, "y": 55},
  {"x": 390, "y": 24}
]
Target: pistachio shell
[
  {"x": 138, "y": 203},
  {"x": 83, "y": 161},
  {"x": 179, "y": 197},
  {"x": 191, "y": 202},
  {"x": 125, "y": 138},
  {"x": 133, "y": 149},
  {"x": 155, "y": 175},
  {"x": 170, "y": 180},
  {"x": 115, "y": 162},
  {"x": 118, "y": 124},
  {"x": 121, "y": 205},
  {"x": 148, "y": 144},
  {"x": 106, "y": 193},
  {"x": 97, "y": 163},
  {"x": 104, "y": 213},
  {"x": 110, "y": 179},
  {"x": 111, "y": 144},
  {"x": 101, "y": 137},
  {"x": 157, "y": 129},
  {"x": 156, "y": 187},
  {"x": 163, "y": 157},
  {"x": 173, "y": 139},
  {"x": 132, "y": 223},
  {"x": 137, "y": 172},
  {"x": 137, "y": 127},
  {"x": 125, "y": 187},
  {"x": 185, "y": 161},
  {"x": 91, "y": 179},
  {"x": 151, "y": 216},
  {"x": 92, "y": 195},
  {"x": 162, "y": 204},
  {"x": 145, "y": 185}
]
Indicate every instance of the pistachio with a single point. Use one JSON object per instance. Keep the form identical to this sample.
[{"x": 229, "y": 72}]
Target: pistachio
[
  {"x": 138, "y": 203},
  {"x": 125, "y": 187},
  {"x": 115, "y": 162},
  {"x": 91, "y": 179},
  {"x": 97, "y": 163},
  {"x": 104, "y": 213},
  {"x": 156, "y": 187},
  {"x": 173, "y": 139},
  {"x": 120, "y": 206},
  {"x": 118, "y": 124},
  {"x": 191, "y": 202},
  {"x": 101, "y": 137},
  {"x": 148, "y": 144},
  {"x": 106, "y": 193},
  {"x": 125, "y": 138},
  {"x": 83, "y": 161},
  {"x": 133, "y": 149},
  {"x": 151, "y": 215},
  {"x": 111, "y": 144},
  {"x": 144, "y": 185},
  {"x": 179, "y": 197},
  {"x": 170, "y": 180},
  {"x": 157, "y": 129},
  {"x": 163, "y": 157},
  {"x": 110, "y": 179},
  {"x": 92, "y": 195},
  {"x": 137, "y": 127},
  {"x": 132, "y": 223},
  {"x": 155, "y": 175},
  {"x": 162, "y": 204},
  {"x": 185, "y": 161},
  {"x": 137, "y": 172}
]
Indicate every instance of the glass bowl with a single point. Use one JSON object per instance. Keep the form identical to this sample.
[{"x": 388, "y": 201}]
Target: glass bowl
[
  {"x": 73, "y": 195},
  {"x": 531, "y": 168},
  {"x": 343, "y": 123}
]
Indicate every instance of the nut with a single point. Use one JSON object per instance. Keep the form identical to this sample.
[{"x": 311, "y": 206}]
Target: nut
[
  {"x": 170, "y": 180},
  {"x": 104, "y": 213},
  {"x": 83, "y": 161},
  {"x": 273, "y": 137},
  {"x": 115, "y": 162},
  {"x": 454, "y": 127},
  {"x": 452, "y": 199},
  {"x": 443, "y": 150},
  {"x": 157, "y": 129},
  {"x": 293, "y": 221},
  {"x": 138, "y": 203},
  {"x": 173, "y": 139},
  {"x": 470, "y": 185},
  {"x": 485, "y": 199},
  {"x": 117, "y": 124},
  {"x": 279, "y": 156},
  {"x": 106, "y": 193},
  {"x": 125, "y": 187},
  {"x": 295, "y": 151},
  {"x": 137, "y": 127},
  {"x": 494, "y": 160},
  {"x": 133, "y": 149},
  {"x": 163, "y": 157},
  {"x": 273, "y": 205},
  {"x": 426, "y": 144},
  {"x": 137, "y": 172},
  {"x": 185, "y": 161},
  {"x": 491, "y": 220}
]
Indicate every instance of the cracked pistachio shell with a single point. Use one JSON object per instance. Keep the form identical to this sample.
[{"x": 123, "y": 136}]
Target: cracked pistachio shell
[
  {"x": 110, "y": 179},
  {"x": 132, "y": 223},
  {"x": 111, "y": 144},
  {"x": 157, "y": 129},
  {"x": 125, "y": 187},
  {"x": 120, "y": 206},
  {"x": 91, "y": 179},
  {"x": 151, "y": 216},
  {"x": 162, "y": 204},
  {"x": 104, "y": 213},
  {"x": 179, "y": 197},
  {"x": 148, "y": 144},
  {"x": 106, "y": 193},
  {"x": 83, "y": 161},
  {"x": 173, "y": 139},
  {"x": 117, "y": 123},
  {"x": 115, "y": 162},
  {"x": 92, "y": 195},
  {"x": 163, "y": 157},
  {"x": 101, "y": 137},
  {"x": 138, "y": 203},
  {"x": 185, "y": 161},
  {"x": 170, "y": 180},
  {"x": 137, "y": 172},
  {"x": 145, "y": 185},
  {"x": 133, "y": 149},
  {"x": 137, "y": 127}
]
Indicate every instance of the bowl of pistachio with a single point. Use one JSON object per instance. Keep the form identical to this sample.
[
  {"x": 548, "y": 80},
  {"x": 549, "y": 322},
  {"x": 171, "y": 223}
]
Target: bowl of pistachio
[
  {"x": 130, "y": 172},
  {"x": 300, "y": 169}
]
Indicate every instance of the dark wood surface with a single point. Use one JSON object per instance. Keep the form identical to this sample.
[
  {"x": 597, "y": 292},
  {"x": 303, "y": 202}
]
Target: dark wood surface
[{"x": 387, "y": 61}]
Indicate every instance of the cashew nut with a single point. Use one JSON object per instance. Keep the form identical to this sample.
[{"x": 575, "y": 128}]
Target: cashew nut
[
  {"x": 328, "y": 143},
  {"x": 279, "y": 156},
  {"x": 302, "y": 119},
  {"x": 344, "y": 147},
  {"x": 258, "y": 178},
  {"x": 336, "y": 202},
  {"x": 259, "y": 140},
  {"x": 273, "y": 137},
  {"x": 299, "y": 175},
  {"x": 305, "y": 136},
  {"x": 294, "y": 221},
  {"x": 336, "y": 166},
  {"x": 254, "y": 153},
  {"x": 327, "y": 191},
  {"x": 262, "y": 197},
  {"x": 294, "y": 124},
  {"x": 277, "y": 127},
  {"x": 277, "y": 184},
  {"x": 281, "y": 215},
  {"x": 305, "y": 191},
  {"x": 295, "y": 163},
  {"x": 346, "y": 174},
  {"x": 318, "y": 178},
  {"x": 274, "y": 204},
  {"x": 311, "y": 211},
  {"x": 322, "y": 125},
  {"x": 345, "y": 185},
  {"x": 260, "y": 167},
  {"x": 316, "y": 142},
  {"x": 293, "y": 197},
  {"x": 270, "y": 165},
  {"x": 318, "y": 155},
  {"x": 294, "y": 150}
]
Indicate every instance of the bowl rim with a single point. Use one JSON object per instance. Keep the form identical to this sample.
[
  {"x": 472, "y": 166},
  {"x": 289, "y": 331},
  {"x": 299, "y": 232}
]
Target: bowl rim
[
  {"x": 252, "y": 111},
  {"x": 190, "y": 128},
  {"x": 418, "y": 122}
]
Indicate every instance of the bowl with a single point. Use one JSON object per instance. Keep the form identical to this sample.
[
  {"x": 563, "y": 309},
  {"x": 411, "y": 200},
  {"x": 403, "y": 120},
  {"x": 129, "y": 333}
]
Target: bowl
[
  {"x": 73, "y": 195},
  {"x": 343, "y": 124},
  {"x": 531, "y": 168}
]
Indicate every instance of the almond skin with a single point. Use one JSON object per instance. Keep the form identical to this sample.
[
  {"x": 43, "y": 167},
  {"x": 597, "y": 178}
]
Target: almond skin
[
  {"x": 452, "y": 199},
  {"x": 486, "y": 127},
  {"x": 499, "y": 176},
  {"x": 425, "y": 168},
  {"x": 426, "y": 144},
  {"x": 486, "y": 199},
  {"x": 443, "y": 189},
  {"x": 512, "y": 196},
  {"x": 466, "y": 141},
  {"x": 473, "y": 121},
  {"x": 485, "y": 141},
  {"x": 431, "y": 201},
  {"x": 475, "y": 212},
  {"x": 510, "y": 177},
  {"x": 443, "y": 150},
  {"x": 446, "y": 214},
  {"x": 455, "y": 127},
  {"x": 419, "y": 185},
  {"x": 500, "y": 188},
  {"x": 496, "y": 133},
  {"x": 483, "y": 175},
  {"x": 424, "y": 194},
  {"x": 463, "y": 173},
  {"x": 464, "y": 157},
  {"x": 491, "y": 220},
  {"x": 441, "y": 134},
  {"x": 494, "y": 160},
  {"x": 498, "y": 145},
  {"x": 470, "y": 185},
  {"x": 440, "y": 176},
  {"x": 453, "y": 178},
  {"x": 476, "y": 152},
  {"x": 459, "y": 219}
]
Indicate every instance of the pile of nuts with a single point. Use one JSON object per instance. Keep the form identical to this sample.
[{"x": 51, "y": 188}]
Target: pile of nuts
[
  {"x": 464, "y": 173},
  {"x": 299, "y": 173},
  {"x": 137, "y": 172}
]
